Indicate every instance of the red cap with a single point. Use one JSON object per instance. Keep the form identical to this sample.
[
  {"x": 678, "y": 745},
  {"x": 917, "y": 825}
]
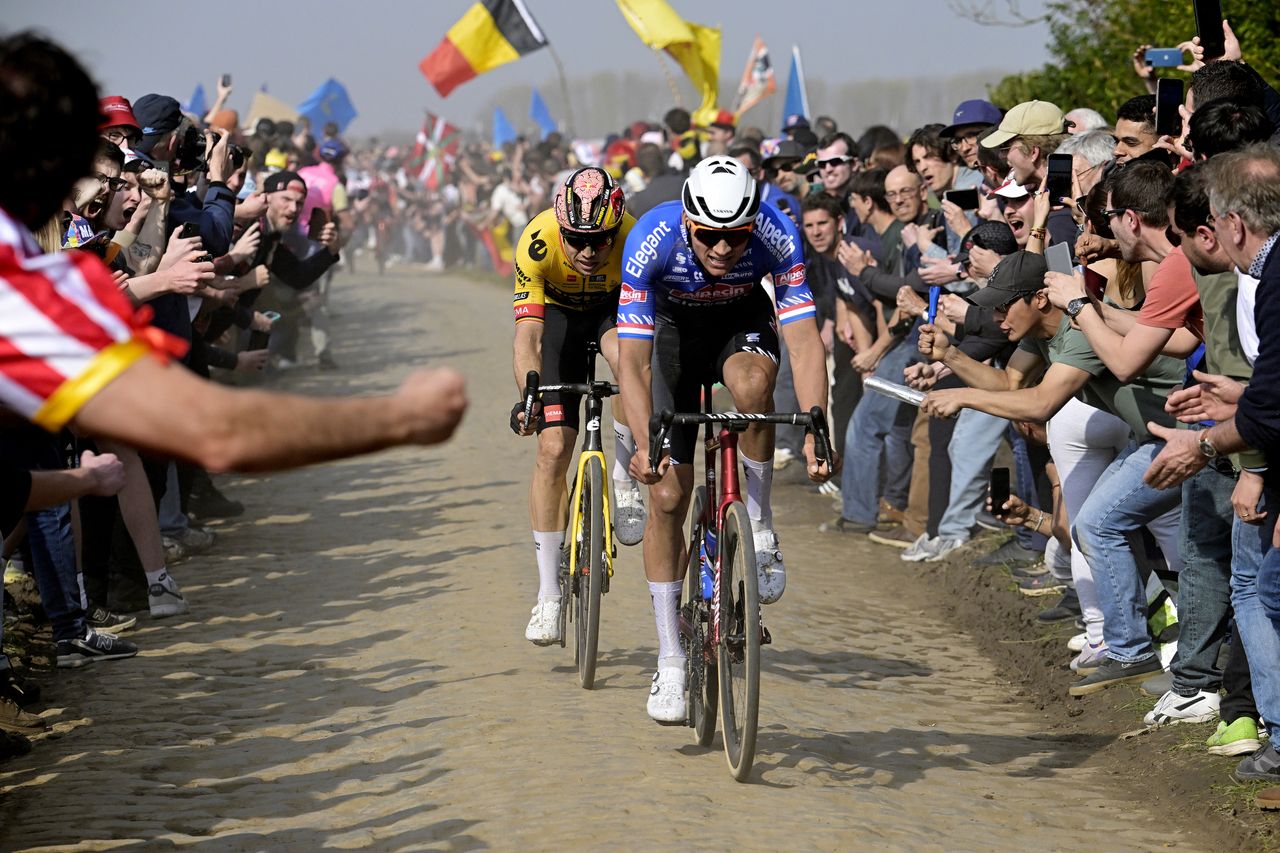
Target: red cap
[
  {"x": 116, "y": 112},
  {"x": 724, "y": 118}
]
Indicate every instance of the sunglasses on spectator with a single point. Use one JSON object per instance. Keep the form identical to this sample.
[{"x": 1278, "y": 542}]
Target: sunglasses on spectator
[
  {"x": 711, "y": 237},
  {"x": 1112, "y": 212},
  {"x": 832, "y": 162},
  {"x": 598, "y": 240},
  {"x": 113, "y": 184}
]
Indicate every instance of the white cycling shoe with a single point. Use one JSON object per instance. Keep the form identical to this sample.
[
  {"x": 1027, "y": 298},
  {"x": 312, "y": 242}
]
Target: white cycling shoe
[
  {"x": 544, "y": 625},
  {"x": 628, "y": 514},
  {"x": 770, "y": 571},
  {"x": 666, "y": 696}
]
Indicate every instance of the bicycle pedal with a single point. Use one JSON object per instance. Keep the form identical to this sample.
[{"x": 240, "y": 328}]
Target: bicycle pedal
[{"x": 765, "y": 638}]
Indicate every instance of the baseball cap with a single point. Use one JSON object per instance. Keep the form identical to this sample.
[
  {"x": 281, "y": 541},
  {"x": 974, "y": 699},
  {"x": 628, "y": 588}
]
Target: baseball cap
[
  {"x": 332, "y": 149},
  {"x": 724, "y": 119},
  {"x": 275, "y": 160},
  {"x": 1030, "y": 118},
  {"x": 280, "y": 180},
  {"x": 116, "y": 112},
  {"x": 1010, "y": 189},
  {"x": 794, "y": 121},
  {"x": 781, "y": 149},
  {"x": 1016, "y": 275},
  {"x": 156, "y": 115},
  {"x": 972, "y": 112},
  {"x": 136, "y": 161},
  {"x": 992, "y": 235}
]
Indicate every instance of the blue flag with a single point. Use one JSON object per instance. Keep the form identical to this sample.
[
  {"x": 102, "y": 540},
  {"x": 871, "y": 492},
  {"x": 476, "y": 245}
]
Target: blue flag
[
  {"x": 198, "y": 104},
  {"x": 797, "y": 102},
  {"x": 503, "y": 132},
  {"x": 538, "y": 112},
  {"x": 329, "y": 103}
]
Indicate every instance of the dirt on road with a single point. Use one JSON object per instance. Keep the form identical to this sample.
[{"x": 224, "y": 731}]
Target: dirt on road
[{"x": 353, "y": 675}]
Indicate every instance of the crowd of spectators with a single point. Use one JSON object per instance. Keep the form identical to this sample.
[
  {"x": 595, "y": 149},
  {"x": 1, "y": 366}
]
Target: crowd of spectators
[{"x": 1100, "y": 333}]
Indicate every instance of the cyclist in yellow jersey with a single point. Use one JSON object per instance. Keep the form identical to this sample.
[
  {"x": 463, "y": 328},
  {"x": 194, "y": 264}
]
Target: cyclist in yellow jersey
[{"x": 568, "y": 271}]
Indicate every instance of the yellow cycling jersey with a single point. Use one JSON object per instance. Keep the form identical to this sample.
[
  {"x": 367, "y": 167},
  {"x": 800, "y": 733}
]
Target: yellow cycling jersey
[{"x": 544, "y": 276}]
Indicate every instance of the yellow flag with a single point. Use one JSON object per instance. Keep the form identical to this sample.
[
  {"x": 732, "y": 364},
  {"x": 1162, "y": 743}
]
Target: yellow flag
[{"x": 694, "y": 47}]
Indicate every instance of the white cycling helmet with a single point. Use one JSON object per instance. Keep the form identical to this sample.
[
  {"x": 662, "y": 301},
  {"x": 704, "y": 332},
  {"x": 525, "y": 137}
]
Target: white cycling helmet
[{"x": 720, "y": 193}]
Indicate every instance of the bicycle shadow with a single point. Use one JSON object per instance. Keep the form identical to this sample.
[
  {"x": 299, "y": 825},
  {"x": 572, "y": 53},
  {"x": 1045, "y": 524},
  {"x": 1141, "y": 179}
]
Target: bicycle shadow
[{"x": 898, "y": 757}]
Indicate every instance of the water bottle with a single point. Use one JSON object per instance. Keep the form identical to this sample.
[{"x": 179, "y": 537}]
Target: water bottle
[{"x": 708, "y": 551}]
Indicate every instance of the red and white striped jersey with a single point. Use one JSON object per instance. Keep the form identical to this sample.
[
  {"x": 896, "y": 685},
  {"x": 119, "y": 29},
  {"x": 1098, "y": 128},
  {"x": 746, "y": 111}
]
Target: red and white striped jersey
[{"x": 66, "y": 330}]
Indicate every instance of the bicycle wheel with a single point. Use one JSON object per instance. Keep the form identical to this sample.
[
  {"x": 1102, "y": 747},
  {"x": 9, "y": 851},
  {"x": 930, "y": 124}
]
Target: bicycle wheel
[
  {"x": 700, "y": 678},
  {"x": 739, "y": 645},
  {"x": 590, "y": 571}
]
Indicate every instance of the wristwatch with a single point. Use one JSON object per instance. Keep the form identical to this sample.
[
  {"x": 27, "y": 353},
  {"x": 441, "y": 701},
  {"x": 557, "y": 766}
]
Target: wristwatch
[
  {"x": 1075, "y": 306},
  {"x": 1206, "y": 449}
]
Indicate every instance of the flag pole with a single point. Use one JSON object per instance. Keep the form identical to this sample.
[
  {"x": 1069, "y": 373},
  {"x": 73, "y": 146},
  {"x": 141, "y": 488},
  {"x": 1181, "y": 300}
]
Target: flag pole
[
  {"x": 671, "y": 81},
  {"x": 564, "y": 88}
]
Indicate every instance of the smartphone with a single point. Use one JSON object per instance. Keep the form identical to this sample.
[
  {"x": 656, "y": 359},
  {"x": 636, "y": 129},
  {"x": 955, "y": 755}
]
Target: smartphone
[
  {"x": 1168, "y": 100},
  {"x": 1059, "y": 183},
  {"x": 1095, "y": 283},
  {"x": 226, "y": 80},
  {"x": 1058, "y": 257},
  {"x": 999, "y": 490},
  {"x": 315, "y": 225},
  {"x": 1163, "y": 57},
  {"x": 1209, "y": 28},
  {"x": 260, "y": 340},
  {"x": 189, "y": 230},
  {"x": 963, "y": 199}
]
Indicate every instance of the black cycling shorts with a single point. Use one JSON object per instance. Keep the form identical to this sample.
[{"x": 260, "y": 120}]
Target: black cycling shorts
[
  {"x": 564, "y": 357},
  {"x": 689, "y": 352}
]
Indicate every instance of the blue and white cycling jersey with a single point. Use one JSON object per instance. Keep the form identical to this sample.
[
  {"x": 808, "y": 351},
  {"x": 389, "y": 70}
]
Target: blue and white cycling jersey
[{"x": 662, "y": 278}]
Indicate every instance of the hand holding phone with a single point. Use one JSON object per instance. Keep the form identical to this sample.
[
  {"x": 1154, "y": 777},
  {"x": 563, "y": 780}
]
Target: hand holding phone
[
  {"x": 315, "y": 225},
  {"x": 1168, "y": 100},
  {"x": 1058, "y": 185},
  {"x": 1209, "y": 28},
  {"x": 963, "y": 199},
  {"x": 999, "y": 490}
]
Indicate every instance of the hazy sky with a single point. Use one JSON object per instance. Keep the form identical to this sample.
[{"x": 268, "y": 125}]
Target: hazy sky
[{"x": 374, "y": 46}]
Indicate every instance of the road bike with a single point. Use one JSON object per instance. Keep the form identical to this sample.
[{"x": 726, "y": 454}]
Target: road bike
[
  {"x": 586, "y": 558},
  {"x": 720, "y": 620}
]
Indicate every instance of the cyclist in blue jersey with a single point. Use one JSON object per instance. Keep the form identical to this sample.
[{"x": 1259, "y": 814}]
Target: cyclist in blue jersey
[{"x": 691, "y": 310}]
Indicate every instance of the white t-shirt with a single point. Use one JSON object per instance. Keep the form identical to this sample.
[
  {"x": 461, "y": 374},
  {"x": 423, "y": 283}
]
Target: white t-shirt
[
  {"x": 511, "y": 205},
  {"x": 1245, "y": 326}
]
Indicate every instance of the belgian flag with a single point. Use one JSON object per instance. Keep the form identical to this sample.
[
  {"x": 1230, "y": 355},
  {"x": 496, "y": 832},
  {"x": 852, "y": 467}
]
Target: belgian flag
[{"x": 491, "y": 33}]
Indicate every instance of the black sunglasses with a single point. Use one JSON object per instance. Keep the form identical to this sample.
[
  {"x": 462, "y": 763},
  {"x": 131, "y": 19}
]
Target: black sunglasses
[{"x": 596, "y": 240}]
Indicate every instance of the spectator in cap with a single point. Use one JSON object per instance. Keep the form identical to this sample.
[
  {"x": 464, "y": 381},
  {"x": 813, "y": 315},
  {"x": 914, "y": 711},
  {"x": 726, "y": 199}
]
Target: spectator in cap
[
  {"x": 781, "y": 157},
  {"x": 792, "y": 123},
  {"x": 118, "y": 123},
  {"x": 720, "y": 133},
  {"x": 1030, "y": 132},
  {"x": 983, "y": 247},
  {"x": 326, "y": 193},
  {"x": 968, "y": 122}
]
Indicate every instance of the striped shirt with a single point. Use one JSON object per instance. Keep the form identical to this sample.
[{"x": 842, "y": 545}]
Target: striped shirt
[{"x": 66, "y": 330}]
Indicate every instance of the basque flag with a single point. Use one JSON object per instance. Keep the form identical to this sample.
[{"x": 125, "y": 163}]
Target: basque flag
[{"x": 491, "y": 33}]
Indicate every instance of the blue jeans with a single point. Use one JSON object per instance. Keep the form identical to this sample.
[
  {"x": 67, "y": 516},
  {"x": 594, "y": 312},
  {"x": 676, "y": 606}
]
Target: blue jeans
[
  {"x": 973, "y": 445},
  {"x": 1252, "y": 554},
  {"x": 1204, "y": 584},
  {"x": 864, "y": 440},
  {"x": 53, "y": 562},
  {"x": 784, "y": 400},
  {"x": 1112, "y": 518},
  {"x": 1024, "y": 485}
]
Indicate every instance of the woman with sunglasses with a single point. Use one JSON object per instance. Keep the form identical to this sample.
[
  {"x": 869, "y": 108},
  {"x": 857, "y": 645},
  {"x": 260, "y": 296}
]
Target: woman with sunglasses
[
  {"x": 691, "y": 292},
  {"x": 568, "y": 269}
]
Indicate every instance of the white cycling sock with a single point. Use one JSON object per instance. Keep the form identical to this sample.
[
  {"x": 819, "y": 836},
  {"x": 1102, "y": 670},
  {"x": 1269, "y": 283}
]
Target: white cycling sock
[
  {"x": 666, "y": 615},
  {"x": 547, "y": 545},
  {"x": 759, "y": 477},
  {"x": 624, "y": 446}
]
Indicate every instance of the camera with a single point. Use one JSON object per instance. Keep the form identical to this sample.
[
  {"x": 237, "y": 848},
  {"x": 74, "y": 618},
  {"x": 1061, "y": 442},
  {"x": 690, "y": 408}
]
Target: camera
[{"x": 191, "y": 155}]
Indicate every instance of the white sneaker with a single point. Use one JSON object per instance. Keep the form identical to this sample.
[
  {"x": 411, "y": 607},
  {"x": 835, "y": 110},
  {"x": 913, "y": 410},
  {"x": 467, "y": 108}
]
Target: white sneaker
[
  {"x": 666, "y": 696},
  {"x": 165, "y": 599},
  {"x": 544, "y": 625},
  {"x": 1172, "y": 708},
  {"x": 770, "y": 571},
  {"x": 1078, "y": 642},
  {"x": 628, "y": 513},
  {"x": 830, "y": 488},
  {"x": 940, "y": 548},
  {"x": 917, "y": 551},
  {"x": 782, "y": 457}
]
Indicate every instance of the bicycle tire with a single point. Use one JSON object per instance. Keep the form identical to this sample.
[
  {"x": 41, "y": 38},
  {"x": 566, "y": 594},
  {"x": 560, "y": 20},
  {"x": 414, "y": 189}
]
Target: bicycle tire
[
  {"x": 739, "y": 646},
  {"x": 587, "y": 615},
  {"x": 701, "y": 678}
]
